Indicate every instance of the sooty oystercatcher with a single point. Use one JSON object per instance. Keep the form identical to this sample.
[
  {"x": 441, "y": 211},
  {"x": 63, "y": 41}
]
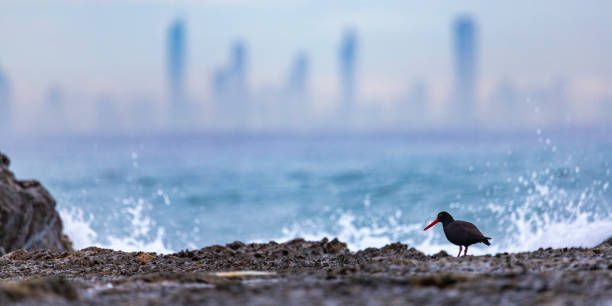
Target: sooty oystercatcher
[{"x": 459, "y": 232}]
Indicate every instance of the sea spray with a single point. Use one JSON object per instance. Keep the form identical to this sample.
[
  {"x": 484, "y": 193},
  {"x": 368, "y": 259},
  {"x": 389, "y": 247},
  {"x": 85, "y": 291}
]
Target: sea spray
[{"x": 79, "y": 229}]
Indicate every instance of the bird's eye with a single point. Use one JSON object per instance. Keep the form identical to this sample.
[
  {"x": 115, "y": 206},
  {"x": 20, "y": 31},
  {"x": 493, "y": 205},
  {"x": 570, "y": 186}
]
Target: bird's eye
[{"x": 439, "y": 215}]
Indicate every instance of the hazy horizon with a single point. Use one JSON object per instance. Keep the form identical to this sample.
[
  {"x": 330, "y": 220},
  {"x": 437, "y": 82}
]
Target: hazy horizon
[{"x": 91, "y": 66}]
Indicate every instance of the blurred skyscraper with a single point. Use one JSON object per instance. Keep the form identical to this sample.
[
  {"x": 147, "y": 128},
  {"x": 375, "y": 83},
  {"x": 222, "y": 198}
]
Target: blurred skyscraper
[
  {"x": 465, "y": 70},
  {"x": 347, "y": 57},
  {"x": 238, "y": 69},
  {"x": 5, "y": 105},
  {"x": 230, "y": 88},
  {"x": 295, "y": 104},
  {"x": 411, "y": 110},
  {"x": 219, "y": 84},
  {"x": 418, "y": 101},
  {"x": 176, "y": 67},
  {"x": 106, "y": 117},
  {"x": 505, "y": 107},
  {"x": 298, "y": 77},
  {"x": 54, "y": 119},
  {"x": 229, "y": 81}
]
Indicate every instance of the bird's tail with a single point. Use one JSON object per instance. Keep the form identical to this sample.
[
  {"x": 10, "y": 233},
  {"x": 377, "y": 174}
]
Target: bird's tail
[{"x": 486, "y": 240}]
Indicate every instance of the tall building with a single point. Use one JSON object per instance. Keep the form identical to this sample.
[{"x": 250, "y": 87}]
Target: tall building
[
  {"x": 176, "y": 64},
  {"x": 238, "y": 68},
  {"x": 229, "y": 81},
  {"x": 505, "y": 105},
  {"x": 464, "y": 30},
  {"x": 293, "y": 112},
  {"x": 347, "y": 58},
  {"x": 418, "y": 101},
  {"x": 106, "y": 117},
  {"x": 411, "y": 111},
  {"x": 55, "y": 99},
  {"x": 54, "y": 119},
  {"x": 219, "y": 84},
  {"x": 230, "y": 89},
  {"x": 5, "y": 104},
  {"x": 298, "y": 76}
]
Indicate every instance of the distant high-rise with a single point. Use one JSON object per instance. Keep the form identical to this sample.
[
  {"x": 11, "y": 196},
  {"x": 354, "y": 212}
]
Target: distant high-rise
[
  {"x": 465, "y": 68},
  {"x": 229, "y": 85},
  {"x": 55, "y": 99},
  {"x": 229, "y": 81},
  {"x": 238, "y": 69},
  {"x": 298, "y": 77},
  {"x": 412, "y": 109},
  {"x": 106, "y": 117},
  {"x": 54, "y": 117},
  {"x": 295, "y": 107},
  {"x": 176, "y": 63},
  {"x": 5, "y": 106},
  {"x": 418, "y": 101},
  {"x": 219, "y": 84},
  {"x": 347, "y": 57},
  {"x": 505, "y": 103}
]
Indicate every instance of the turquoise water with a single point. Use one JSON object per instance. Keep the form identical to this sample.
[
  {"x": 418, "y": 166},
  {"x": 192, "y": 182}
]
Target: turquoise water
[{"x": 164, "y": 193}]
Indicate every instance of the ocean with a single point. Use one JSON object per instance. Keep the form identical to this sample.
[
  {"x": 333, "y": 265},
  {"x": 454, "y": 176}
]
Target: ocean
[{"x": 167, "y": 193}]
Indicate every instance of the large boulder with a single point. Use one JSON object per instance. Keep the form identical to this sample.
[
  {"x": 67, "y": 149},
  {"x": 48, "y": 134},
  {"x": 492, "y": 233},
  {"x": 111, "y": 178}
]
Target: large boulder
[{"x": 28, "y": 219}]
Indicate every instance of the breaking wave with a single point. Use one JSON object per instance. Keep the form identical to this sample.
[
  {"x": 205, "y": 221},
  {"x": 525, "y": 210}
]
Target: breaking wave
[{"x": 143, "y": 236}]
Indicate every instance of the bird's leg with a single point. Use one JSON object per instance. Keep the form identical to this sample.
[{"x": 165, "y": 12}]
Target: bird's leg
[
  {"x": 459, "y": 252},
  {"x": 465, "y": 252}
]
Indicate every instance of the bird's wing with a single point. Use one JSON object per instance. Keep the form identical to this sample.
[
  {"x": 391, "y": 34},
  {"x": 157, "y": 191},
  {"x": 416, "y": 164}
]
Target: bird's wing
[{"x": 471, "y": 230}]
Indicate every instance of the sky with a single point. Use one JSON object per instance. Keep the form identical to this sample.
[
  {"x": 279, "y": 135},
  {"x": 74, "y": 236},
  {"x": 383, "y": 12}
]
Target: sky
[{"x": 118, "y": 48}]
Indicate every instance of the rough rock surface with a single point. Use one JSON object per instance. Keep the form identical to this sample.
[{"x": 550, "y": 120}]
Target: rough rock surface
[
  {"x": 307, "y": 273},
  {"x": 28, "y": 219}
]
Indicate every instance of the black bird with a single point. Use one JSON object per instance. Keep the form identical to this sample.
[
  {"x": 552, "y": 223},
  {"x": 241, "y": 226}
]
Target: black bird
[{"x": 458, "y": 232}]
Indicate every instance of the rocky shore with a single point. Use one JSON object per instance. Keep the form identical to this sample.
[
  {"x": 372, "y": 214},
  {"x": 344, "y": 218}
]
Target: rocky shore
[{"x": 302, "y": 272}]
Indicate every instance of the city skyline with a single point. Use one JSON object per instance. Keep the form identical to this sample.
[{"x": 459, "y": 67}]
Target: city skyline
[
  {"x": 231, "y": 92},
  {"x": 234, "y": 102}
]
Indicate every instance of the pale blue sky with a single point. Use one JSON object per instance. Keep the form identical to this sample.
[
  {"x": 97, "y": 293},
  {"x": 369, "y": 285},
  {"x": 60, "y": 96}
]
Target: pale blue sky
[{"x": 118, "y": 47}]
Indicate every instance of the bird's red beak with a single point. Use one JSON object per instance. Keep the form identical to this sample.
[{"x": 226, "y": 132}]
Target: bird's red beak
[{"x": 432, "y": 224}]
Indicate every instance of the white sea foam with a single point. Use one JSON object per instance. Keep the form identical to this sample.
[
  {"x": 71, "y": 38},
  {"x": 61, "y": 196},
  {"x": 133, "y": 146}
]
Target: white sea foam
[
  {"x": 579, "y": 232},
  {"x": 79, "y": 229}
]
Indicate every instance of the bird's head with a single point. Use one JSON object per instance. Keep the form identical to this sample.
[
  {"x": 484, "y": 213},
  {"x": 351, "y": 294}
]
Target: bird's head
[{"x": 443, "y": 217}]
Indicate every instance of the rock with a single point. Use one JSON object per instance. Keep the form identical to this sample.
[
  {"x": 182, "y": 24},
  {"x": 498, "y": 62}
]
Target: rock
[
  {"x": 28, "y": 219},
  {"x": 49, "y": 289},
  {"x": 144, "y": 257},
  {"x": 606, "y": 244}
]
